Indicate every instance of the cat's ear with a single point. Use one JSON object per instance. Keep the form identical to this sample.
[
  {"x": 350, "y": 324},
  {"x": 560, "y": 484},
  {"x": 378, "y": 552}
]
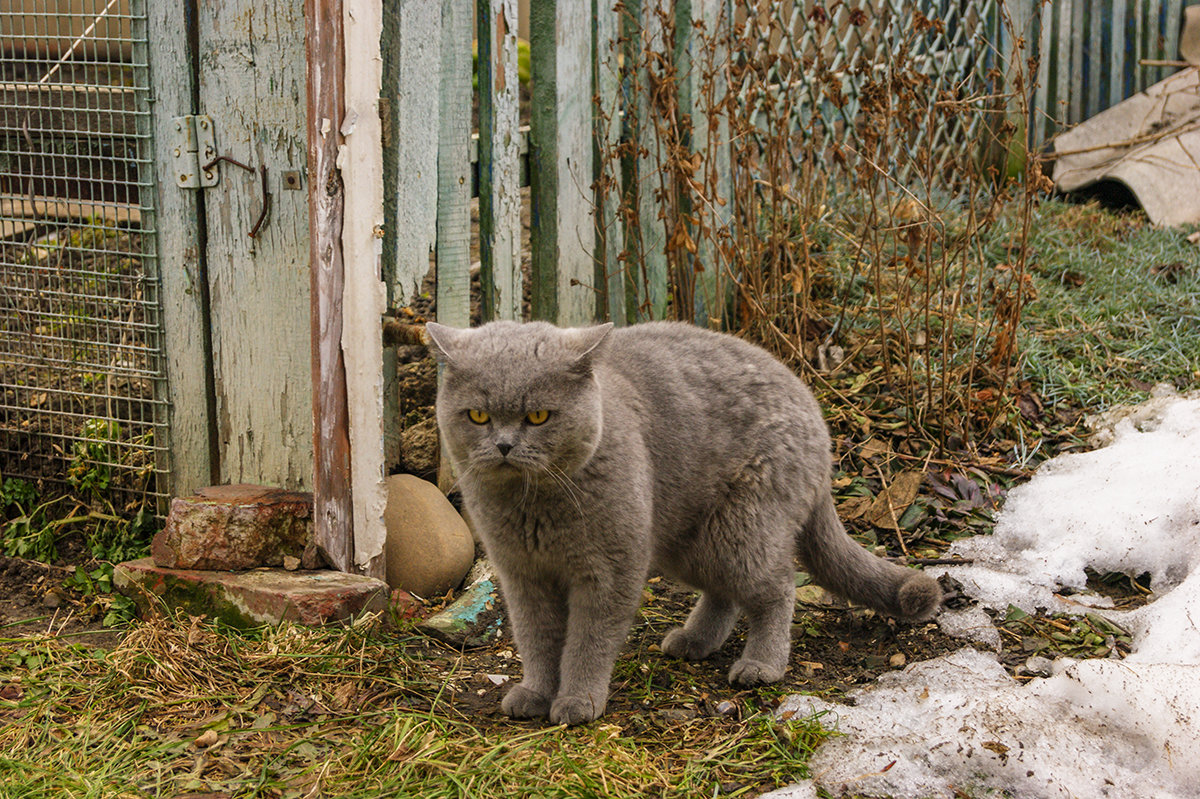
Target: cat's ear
[
  {"x": 588, "y": 342},
  {"x": 443, "y": 340}
]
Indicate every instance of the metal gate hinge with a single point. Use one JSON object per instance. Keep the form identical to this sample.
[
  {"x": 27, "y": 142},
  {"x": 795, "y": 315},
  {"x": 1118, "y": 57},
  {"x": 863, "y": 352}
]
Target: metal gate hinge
[{"x": 193, "y": 149}]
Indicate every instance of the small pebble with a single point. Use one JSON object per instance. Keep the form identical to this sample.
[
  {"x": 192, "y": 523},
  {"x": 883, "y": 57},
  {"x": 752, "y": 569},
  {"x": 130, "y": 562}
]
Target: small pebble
[
  {"x": 291, "y": 562},
  {"x": 206, "y": 739},
  {"x": 52, "y": 599},
  {"x": 677, "y": 714},
  {"x": 897, "y": 660},
  {"x": 726, "y": 708},
  {"x": 1038, "y": 666}
]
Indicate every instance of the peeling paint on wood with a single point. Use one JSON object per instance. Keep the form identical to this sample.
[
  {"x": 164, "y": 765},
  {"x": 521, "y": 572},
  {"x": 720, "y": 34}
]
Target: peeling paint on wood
[
  {"x": 413, "y": 42},
  {"x": 499, "y": 161},
  {"x": 713, "y": 143},
  {"x": 180, "y": 265},
  {"x": 332, "y": 501},
  {"x": 365, "y": 297},
  {"x": 610, "y": 235},
  {"x": 454, "y": 166},
  {"x": 652, "y": 234},
  {"x": 251, "y": 81},
  {"x": 561, "y": 156}
]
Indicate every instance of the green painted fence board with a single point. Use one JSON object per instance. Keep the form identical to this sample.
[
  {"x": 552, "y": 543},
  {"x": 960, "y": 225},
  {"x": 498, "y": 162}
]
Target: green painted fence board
[
  {"x": 499, "y": 160},
  {"x": 454, "y": 166},
  {"x": 561, "y": 163}
]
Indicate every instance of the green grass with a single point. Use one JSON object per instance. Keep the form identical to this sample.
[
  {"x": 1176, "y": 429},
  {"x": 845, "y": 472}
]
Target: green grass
[
  {"x": 182, "y": 707},
  {"x": 1118, "y": 307}
]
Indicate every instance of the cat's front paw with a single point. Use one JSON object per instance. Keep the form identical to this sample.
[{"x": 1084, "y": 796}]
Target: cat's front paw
[
  {"x": 525, "y": 703},
  {"x": 748, "y": 671},
  {"x": 576, "y": 709},
  {"x": 678, "y": 644}
]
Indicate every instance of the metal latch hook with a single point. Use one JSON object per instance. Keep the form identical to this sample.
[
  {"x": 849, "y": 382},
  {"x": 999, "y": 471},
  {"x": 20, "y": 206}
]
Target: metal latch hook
[{"x": 266, "y": 192}]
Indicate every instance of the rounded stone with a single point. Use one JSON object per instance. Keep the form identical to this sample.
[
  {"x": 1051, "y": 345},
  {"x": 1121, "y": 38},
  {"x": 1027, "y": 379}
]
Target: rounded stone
[{"x": 429, "y": 547}]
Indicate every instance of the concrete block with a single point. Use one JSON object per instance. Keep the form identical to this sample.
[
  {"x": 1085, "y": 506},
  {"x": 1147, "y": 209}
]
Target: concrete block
[
  {"x": 251, "y": 598},
  {"x": 237, "y": 527}
]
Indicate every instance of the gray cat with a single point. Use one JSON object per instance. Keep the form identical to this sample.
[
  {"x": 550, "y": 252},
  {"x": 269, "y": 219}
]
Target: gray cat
[{"x": 590, "y": 457}]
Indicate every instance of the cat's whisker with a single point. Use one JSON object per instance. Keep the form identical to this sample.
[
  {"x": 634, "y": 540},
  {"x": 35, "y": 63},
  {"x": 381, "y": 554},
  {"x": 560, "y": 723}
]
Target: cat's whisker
[{"x": 568, "y": 486}]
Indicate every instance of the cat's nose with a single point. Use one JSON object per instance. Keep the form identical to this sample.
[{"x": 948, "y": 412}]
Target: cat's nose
[{"x": 504, "y": 448}]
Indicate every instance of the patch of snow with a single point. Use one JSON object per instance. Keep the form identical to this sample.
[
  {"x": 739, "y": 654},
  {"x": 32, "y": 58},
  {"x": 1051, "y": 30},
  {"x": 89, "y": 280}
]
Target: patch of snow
[
  {"x": 1093, "y": 729},
  {"x": 960, "y": 723},
  {"x": 972, "y": 624},
  {"x": 804, "y": 790}
]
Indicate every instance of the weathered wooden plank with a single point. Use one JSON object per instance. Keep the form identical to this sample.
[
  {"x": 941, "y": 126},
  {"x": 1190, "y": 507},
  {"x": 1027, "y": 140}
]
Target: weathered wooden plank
[
  {"x": 561, "y": 153},
  {"x": 252, "y": 82},
  {"x": 610, "y": 239},
  {"x": 1096, "y": 67},
  {"x": 499, "y": 161},
  {"x": 365, "y": 296},
  {"x": 710, "y": 138},
  {"x": 1152, "y": 50},
  {"x": 181, "y": 267},
  {"x": 332, "y": 499},
  {"x": 1172, "y": 20},
  {"x": 454, "y": 166},
  {"x": 1118, "y": 65},
  {"x": 1042, "y": 110},
  {"x": 1077, "y": 68},
  {"x": 1062, "y": 64},
  {"x": 412, "y": 75},
  {"x": 652, "y": 235},
  {"x": 1139, "y": 43}
]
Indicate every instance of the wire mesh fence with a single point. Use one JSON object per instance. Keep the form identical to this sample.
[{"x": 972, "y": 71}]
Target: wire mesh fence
[
  {"x": 824, "y": 72},
  {"x": 82, "y": 380}
]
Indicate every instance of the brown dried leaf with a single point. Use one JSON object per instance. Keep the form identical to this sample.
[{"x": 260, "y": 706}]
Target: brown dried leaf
[{"x": 891, "y": 503}]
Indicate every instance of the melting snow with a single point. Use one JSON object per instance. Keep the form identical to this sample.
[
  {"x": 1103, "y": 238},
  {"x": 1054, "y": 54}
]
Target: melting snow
[{"x": 1092, "y": 728}]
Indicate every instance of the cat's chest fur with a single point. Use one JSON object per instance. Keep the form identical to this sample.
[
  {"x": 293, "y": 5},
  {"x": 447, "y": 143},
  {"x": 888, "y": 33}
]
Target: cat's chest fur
[{"x": 568, "y": 521}]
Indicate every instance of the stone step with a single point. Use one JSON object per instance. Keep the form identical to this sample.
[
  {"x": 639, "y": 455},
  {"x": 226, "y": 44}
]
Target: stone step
[{"x": 251, "y": 598}]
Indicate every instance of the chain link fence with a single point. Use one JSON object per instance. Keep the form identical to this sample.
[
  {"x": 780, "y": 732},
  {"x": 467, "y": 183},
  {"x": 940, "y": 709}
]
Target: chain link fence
[
  {"x": 830, "y": 74},
  {"x": 82, "y": 377}
]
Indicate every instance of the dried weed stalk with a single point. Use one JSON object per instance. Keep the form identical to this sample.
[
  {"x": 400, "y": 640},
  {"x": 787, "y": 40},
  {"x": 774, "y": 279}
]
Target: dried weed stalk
[{"x": 833, "y": 180}]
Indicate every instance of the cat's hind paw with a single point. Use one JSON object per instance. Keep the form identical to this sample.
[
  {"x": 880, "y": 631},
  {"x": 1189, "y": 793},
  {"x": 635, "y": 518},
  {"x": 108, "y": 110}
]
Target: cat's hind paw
[
  {"x": 678, "y": 644},
  {"x": 754, "y": 672},
  {"x": 576, "y": 710},
  {"x": 525, "y": 703}
]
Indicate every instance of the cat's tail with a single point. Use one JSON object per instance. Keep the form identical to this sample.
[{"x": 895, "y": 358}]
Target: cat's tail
[{"x": 837, "y": 563}]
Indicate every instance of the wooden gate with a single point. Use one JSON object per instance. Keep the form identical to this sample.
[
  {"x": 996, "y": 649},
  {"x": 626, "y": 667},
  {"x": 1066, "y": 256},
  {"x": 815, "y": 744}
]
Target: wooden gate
[{"x": 234, "y": 254}]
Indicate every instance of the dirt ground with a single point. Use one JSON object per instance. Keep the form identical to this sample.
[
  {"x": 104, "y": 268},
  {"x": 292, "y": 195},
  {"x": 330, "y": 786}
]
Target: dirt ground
[
  {"x": 834, "y": 649},
  {"x": 34, "y": 599}
]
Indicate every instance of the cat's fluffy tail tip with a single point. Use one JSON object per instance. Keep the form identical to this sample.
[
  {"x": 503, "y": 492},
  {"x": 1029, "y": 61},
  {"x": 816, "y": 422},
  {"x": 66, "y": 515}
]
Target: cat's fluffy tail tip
[{"x": 919, "y": 597}]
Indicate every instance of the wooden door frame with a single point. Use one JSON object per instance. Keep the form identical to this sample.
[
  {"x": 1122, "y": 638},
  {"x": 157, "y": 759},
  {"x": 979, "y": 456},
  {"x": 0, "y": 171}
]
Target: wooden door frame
[{"x": 348, "y": 296}]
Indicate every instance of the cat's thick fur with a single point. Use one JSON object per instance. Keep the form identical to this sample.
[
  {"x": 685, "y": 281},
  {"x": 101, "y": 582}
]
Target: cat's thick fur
[{"x": 666, "y": 447}]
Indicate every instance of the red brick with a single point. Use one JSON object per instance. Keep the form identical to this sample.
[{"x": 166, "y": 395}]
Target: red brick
[{"x": 237, "y": 527}]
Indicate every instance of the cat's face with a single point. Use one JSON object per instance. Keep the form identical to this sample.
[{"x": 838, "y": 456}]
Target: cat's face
[{"x": 518, "y": 400}]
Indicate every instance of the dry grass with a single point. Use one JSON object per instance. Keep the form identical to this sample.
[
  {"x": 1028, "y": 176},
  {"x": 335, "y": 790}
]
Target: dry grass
[
  {"x": 869, "y": 181},
  {"x": 182, "y": 706}
]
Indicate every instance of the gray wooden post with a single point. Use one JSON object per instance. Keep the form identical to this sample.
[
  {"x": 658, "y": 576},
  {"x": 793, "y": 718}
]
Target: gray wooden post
[
  {"x": 561, "y": 153},
  {"x": 182, "y": 272},
  {"x": 499, "y": 161}
]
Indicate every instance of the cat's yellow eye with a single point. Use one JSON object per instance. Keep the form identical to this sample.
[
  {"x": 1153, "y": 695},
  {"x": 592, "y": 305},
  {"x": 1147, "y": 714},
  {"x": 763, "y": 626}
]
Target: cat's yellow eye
[
  {"x": 478, "y": 417},
  {"x": 537, "y": 417}
]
